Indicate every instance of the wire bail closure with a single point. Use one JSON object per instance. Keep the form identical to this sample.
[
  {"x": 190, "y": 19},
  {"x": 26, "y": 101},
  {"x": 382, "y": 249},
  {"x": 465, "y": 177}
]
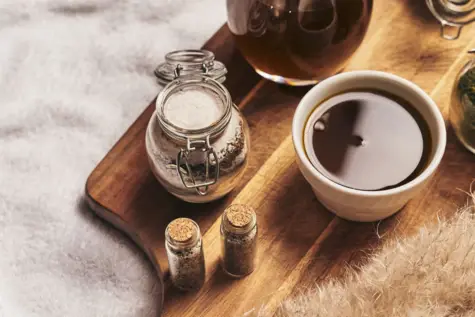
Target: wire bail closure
[
  {"x": 450, "y": 31},
  {"x": 182, "y": 159},
  {"x": 204, "y": 67}
]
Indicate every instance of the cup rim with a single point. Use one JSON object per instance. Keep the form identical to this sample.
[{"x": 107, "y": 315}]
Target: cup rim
[{"x": 298, "y": 130}]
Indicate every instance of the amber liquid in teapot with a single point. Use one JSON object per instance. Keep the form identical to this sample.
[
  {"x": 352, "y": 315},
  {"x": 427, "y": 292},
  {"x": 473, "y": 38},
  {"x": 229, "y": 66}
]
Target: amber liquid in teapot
[{"x": 298, "y": 39}]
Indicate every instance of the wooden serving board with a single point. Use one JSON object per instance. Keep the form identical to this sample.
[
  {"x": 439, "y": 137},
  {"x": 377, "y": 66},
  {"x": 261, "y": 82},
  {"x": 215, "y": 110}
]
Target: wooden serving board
[{"x": 301, "y": 243}]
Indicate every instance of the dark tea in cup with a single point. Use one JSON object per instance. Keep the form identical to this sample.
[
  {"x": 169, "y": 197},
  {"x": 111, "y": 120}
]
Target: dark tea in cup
[{"x": 368, "y": 140}]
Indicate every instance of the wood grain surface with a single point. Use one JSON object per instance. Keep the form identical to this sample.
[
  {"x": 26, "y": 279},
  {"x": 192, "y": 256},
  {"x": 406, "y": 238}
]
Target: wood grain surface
[{"x": 300, "y": 243}]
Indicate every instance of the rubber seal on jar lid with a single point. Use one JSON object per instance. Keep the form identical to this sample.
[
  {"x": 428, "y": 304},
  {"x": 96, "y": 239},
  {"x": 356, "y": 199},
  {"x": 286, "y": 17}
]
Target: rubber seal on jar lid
[{"x": 190, "y": 62}]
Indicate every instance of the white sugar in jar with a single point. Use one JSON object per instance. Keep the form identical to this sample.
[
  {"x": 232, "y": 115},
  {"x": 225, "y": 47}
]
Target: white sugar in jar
[
  {"x": 197, "y": 140},
  {"x": 194, "y": 108}
]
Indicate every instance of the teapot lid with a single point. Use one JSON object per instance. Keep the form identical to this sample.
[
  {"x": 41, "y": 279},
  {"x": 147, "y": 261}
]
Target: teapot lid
[
  {"x": 452, "y": 15},
  {"x": 190, "y": 62}
]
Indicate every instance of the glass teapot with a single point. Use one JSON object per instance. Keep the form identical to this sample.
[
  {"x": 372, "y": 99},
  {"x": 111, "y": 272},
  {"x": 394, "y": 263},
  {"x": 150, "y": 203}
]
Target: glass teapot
[
  {"x": 298, "y": 42},
  {"x": 453, "y": 15}
]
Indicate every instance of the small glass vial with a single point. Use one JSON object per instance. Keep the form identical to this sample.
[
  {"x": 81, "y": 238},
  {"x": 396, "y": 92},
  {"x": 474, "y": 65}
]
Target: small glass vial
[
  {"x": 239, "y": 240},
  {"x": 185, "y": 254}
]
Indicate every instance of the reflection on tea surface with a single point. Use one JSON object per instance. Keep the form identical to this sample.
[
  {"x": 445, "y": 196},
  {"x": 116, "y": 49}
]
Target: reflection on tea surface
[{"x": 368, "y": 140}]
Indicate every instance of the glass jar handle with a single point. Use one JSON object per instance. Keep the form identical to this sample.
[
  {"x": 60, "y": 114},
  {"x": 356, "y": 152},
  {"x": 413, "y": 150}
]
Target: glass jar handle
[
  {"x": 450, "y": 31},
  {"x": 182, "y": 158}
]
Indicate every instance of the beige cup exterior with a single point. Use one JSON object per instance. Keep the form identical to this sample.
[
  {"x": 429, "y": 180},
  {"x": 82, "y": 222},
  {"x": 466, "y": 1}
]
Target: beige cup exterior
[{"x": 358, "y": 205}]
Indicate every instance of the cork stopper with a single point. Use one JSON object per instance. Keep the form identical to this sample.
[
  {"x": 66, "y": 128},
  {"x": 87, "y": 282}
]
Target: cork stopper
[
  {"x": 239, "y": 216},
  {"x": 181, "y": 229}
]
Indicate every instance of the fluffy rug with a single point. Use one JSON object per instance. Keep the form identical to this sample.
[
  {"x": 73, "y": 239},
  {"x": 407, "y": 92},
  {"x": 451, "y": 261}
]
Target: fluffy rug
[
  {"x": 429, "y": 275},
  {"x": 74, "y": 74}
]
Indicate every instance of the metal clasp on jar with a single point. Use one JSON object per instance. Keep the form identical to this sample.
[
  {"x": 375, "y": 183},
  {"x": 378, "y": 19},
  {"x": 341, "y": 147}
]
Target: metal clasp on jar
[
  {"x": 204, "y": 68},
  {"x": 182, "y": 159},
  {"x": 450, "y": 31}
]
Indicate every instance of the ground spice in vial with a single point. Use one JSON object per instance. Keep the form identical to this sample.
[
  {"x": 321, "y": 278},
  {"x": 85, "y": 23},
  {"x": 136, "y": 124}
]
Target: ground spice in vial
[
  {"x": 185, "y": 254},
  {"x": 239, "y": 240}
]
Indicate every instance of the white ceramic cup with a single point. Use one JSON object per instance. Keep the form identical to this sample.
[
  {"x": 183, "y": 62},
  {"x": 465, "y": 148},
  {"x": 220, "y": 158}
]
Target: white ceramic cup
[{"x": 360, "y": 205}]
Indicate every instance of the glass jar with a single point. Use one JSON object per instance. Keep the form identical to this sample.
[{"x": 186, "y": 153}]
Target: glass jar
[
  {"x": 298, "y": 42},
  {"x": 452, "y": 15},
  {"x": 462, "y": 106},
  {"x": 197, "y": 140},
  {"x": 186, "y": 260}
]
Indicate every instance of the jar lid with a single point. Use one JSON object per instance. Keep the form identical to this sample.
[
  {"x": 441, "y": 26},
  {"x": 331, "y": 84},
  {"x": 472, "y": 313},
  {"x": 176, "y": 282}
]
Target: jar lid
[
  {"x": 239, "y": 219},
  {"x": 182, "y": 232},
  {"x": 190, "y": 62},
  {"x": 453, "y": 15}
]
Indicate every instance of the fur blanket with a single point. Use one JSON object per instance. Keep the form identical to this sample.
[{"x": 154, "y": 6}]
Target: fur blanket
[
  {"x": 429, "y": 275},
  {"x": 74, "y": 74}
]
